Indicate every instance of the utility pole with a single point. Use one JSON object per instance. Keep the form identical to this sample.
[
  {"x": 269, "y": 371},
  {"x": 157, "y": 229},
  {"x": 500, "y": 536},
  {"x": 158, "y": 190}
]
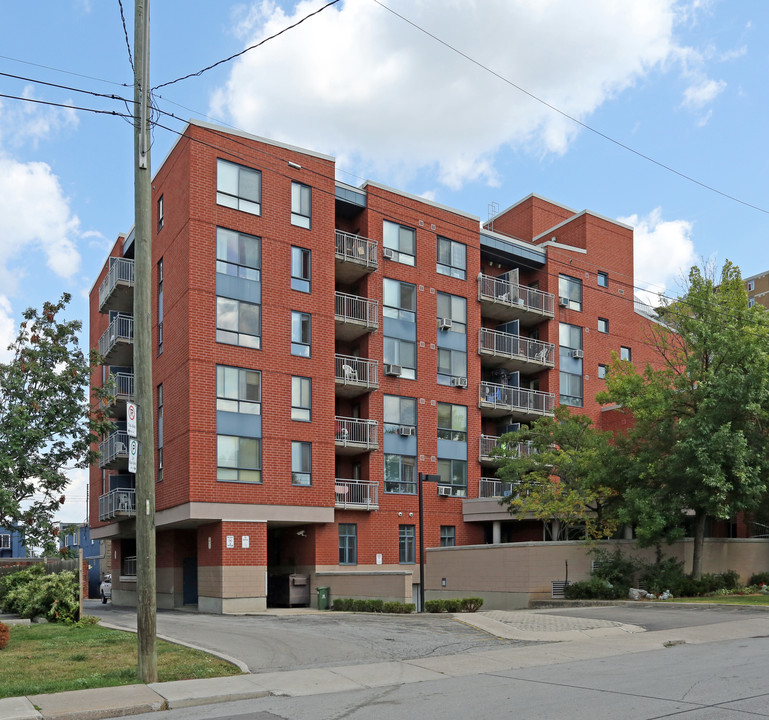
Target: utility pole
[{"x": 146, "y": 610}]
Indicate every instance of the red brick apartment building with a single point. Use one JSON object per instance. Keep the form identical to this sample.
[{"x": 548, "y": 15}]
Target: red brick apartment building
[{"x": 318, "y": 345}]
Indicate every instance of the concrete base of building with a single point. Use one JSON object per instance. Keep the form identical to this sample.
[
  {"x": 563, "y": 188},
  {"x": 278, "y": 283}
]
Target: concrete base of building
[{"x": 232, "y": 606}]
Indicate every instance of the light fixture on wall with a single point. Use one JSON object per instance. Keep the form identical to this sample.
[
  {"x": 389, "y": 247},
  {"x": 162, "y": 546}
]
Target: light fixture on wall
[{"x": 301, "y": 533}]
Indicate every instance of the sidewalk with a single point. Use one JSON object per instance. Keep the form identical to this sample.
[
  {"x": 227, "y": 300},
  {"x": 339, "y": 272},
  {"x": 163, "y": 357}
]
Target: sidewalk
[{"x": 567, "y": 639}]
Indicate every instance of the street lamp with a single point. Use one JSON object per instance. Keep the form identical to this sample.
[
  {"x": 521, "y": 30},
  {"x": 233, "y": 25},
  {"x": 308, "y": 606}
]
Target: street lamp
[{"x": 423, "y": 477}]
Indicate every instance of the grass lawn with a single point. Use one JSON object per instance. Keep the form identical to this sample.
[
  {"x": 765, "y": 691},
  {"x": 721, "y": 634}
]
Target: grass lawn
[
  {"x": 54, "y": 658},
  {"x": 727, "y": 600}
]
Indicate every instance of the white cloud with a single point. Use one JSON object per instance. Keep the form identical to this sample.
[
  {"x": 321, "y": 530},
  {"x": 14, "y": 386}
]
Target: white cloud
[
  {"x": 663, "y": 253},
  {"x": 387, "y": 99},
  {"x": 702, "y": 93},
  {"x": 22, "y": 122}
]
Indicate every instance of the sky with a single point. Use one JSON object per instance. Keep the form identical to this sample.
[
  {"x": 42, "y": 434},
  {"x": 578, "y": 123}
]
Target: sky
[{"x": 650, "y": 112}]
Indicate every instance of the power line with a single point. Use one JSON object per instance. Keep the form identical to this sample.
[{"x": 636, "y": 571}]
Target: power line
[
  {"x": 66, "y": 72},
  {"x": 125, "y": 32},
  {"x": 248, "y": 49},
  {"x": 66, "y": 87},
  {"x": 571, "y": 117},
  {"x": 68, "y": 107}
]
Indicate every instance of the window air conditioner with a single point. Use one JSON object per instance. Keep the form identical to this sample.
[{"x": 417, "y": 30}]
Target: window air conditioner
[
  {"x": 563, "y": 302},
  {"x": 388, "y": 253},
  {"x": 444, "y": 490},
  {"x": 407, "y": 430},
  {"x": 578, "y": 353},
  {"x": 459, "y": 382},
  {"x": 390, "y": 369},
  {"x": 445, "y": 323}
]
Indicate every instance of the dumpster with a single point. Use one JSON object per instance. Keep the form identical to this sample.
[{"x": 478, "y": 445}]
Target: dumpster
[{"x": 324, "y": 598}]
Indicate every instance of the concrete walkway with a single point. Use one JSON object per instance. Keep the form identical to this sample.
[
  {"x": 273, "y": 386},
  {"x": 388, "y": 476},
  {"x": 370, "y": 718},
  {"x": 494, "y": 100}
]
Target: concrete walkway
[{"x": 570, "y": 638}]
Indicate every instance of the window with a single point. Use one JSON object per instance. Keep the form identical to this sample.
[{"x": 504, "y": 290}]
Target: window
[
  {"x": 160, "y": 306},
  {"x": 407, "y": 544},
  {"x": 401, "y": 240},
  {"x": 160, "y": 432},
  {"x": 238, "y": 254},
  {"x": 451, "y": 363},
  {"x": 452, "y": 422},
  {"x": 300, "y": 269},
  {"x": 751, "y": 285},
  {"x": 454, "y": 473},
  {"x": 5, "y": 542},
  {"x": 751, "y": 302},
  {"x": 238, "y": 390},
  {"x": 398, "y": 412},
  {"x": 399, "y": 474},
  {"x": 238, "y": 187},
  {"x": 403, "y": 353},
  {"x": 448, "y": 536},
  {"x": 238, "y": 323},
  {"x": 570, "y": 292},
  {"x": 301, "y": 463},
  {"x": 603, "y": 279},
  {"x": 348, "y": 544},
  {"x": 624, "y": 353},
  {"x": 454, "y": 308},
  {"x": 160, "y": 213},
  {"x": 400, "y": 300},
  {"x": 452, "y": 258},
  {"x": 570, "y": 364},
  {"x": 301, "y": 398},
  {"x": 238, "y": 459},
  {"x": 300, "y": 333},
  {"x": 602, "y": 370},
  {"x": 603, "y": 325},
  {"x": 301, "y": 205}
]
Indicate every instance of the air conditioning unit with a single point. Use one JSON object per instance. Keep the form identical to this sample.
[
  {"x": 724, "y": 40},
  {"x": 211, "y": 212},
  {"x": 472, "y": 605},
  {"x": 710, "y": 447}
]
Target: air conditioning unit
[
  {"x": 444, "y": 490},
  {"x": 563, "y": 302},
  {"x": 388, "y": 253},
  {"x": 390, "y": 369},
  {"x": 459, "y": 382},
  {"x": 445, "y": 323},
  {"x": 578, "y": 354},
  {"x": 407, "y": 430}
]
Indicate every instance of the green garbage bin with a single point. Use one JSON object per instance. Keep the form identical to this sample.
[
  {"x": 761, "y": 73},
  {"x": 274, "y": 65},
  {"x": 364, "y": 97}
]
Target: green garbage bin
[{"x": 323, "y": 598}]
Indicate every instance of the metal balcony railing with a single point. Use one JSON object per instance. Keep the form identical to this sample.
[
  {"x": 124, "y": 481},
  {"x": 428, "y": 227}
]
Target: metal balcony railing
[
  {"x": 356, "y": 432},
  {"x": 488, "y": 444},
  {"x": 515, "y": 399},
  {"x": 353, "y": 308},
  {"x": 493, "y": 342},
  {"x": 356, "y": 494},
  {"x": 124, "y": 385},
  {"x": 117, "y": 503},
  {"x": 114, "y": 447},
  {"x": 121, "y": 329},
  {"x": 356, "y": 371},
  {"x": 355, "y": 248},
  {"x": 121, "y": 272},
  {"x": 501, "y": 290}
]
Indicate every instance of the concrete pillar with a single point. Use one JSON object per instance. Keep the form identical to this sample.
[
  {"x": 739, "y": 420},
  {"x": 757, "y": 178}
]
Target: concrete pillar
[{"x": 496, "y": 532}]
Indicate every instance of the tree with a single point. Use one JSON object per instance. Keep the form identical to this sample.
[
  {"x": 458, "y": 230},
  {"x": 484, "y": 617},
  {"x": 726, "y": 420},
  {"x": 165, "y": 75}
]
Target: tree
[
  {"x": 46, "y": 426},
  {"x": 562, "y": 468},
  {"x": 698, "y": 447}
]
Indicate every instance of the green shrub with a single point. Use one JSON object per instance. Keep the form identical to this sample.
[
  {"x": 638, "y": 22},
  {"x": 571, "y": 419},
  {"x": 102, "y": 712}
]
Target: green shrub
[
  {"x": 342, "y": 604},
  {"x": 434, "y": 606},
  {"x": 55, "y": 596},
  {"x": 359, "y": 605},
  {"x": 761, "y": 578},
  {"x": 472, "y": 605},
  {"x": 12, "y": 581},
  {"x": 375, "y": 605},
  {"x": 595, "y": 589},
  {"x": 668, "y": 574},
  {"x": 614, "y": 567},
  {"x": 392, "y": 606}
]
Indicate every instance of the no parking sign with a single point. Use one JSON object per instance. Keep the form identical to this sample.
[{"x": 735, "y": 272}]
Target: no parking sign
[{"x": 131, "y": 413}]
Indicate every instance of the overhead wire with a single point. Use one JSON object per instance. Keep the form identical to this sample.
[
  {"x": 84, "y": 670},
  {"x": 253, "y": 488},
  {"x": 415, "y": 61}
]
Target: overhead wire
[{"x": 125, "y": 32}]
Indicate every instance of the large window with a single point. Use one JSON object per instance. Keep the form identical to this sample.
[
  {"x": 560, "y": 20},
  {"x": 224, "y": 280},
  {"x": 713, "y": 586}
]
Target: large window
[
  {"x": 238, "y": 459},
  {"x": 624, "y": 353},
  {"x": 238, "y": 323},
  {"x": 454, "y": 473},
  {"x": 407, "y": 544},
  {"x": 448, "y": 536},
  {"x": 400, "y": 300},
  {"x": 301, "y": 205},
  {"x": 401, "y": 240},
  {"x": 238, "y": 390},
  {"x": 160, "y": 432},
  {"x": 160, "y": 306},
  {"x": 451, "y": 363},
  {"x": 238, "y": 254},
  {"x": 301, "y": 463},
  {"x": 348, "y": 544},
  {"x": 301, "y": 398},
  {"x": 603, "y": 325},
  {"x": 300, "y": 334},
  {"x": 400, "y": 475},
  {"x": 161, "y": 213},
  {"x": 452, "y": 258},
  {"x": 452, "y": 422},
  {"x": 300, "y": 269},
  {"x": 402, "y": 353},
  {"x": 238, "y": 187},
  {"x": 454, "y": 308},
  {"x": 5, "y": 542},
  {"x": 399, "y": 412},
  {"x": 602, "y": 370},
  {"x": 570, "y": 292},
  {"x": 570, "y": 362}
]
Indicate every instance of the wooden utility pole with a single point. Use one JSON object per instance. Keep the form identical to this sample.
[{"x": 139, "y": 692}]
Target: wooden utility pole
[{"x": 146, "y": 609}]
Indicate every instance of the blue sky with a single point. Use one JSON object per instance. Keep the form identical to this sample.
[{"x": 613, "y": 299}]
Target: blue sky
[{"x": 684, "y": 83}]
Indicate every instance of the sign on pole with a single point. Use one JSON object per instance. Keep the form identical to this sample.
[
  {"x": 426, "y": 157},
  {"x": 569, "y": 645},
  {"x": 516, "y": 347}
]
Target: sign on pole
[
  {"x": 133, "y": 454},
  {"x": 131, "y": 419}
]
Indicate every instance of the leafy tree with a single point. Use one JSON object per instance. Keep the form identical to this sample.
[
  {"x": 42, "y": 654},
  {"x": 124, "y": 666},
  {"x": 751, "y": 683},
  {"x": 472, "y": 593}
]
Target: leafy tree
[
  {"x": 45, "y": 421},
  {"x": 698, "y": 447},
  {"x": 562, "y": 468}
]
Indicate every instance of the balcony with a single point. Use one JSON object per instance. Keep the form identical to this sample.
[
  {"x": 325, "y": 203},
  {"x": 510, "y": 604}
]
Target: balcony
[
  {"x": 113, "y": 451},
  {"x": 488, "y": 443},
  {"x": 123, "y": 393},
  {"x": 355, "y": 256},
  {"x": 354, "y": 315},
  {"x": 493, "y": 488},
  {"x": 120, "y": 503},
  {"x": 356, "y": 495},
  {"x": 514, "y": 352},
  {"x": 354, "y": 375},
  {"x": 354, "y": 435},
  {"x": 504, "y": 300},
  {"x": 116, "y": 345},
  {"x": 496, "y": 400},
  {"x": 116, "y": 291}
]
